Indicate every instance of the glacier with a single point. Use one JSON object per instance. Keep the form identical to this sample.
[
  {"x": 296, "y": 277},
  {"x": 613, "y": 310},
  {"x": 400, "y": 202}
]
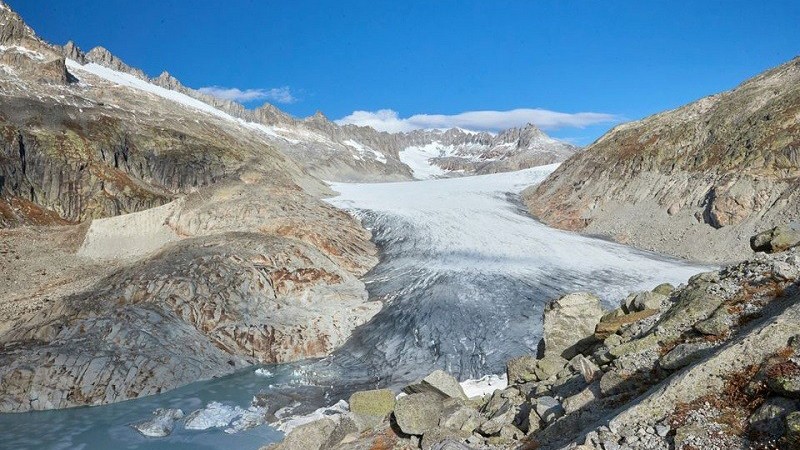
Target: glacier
[{"x": 464, "y": 275}]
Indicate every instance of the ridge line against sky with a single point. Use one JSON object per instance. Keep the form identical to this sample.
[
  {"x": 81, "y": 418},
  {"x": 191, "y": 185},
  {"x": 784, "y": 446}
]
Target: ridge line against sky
[{"x": 419, "y": 63}]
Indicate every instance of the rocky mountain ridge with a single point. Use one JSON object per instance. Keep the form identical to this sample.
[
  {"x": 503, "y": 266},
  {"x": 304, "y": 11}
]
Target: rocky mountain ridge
[
  {"x": 354, "y": 153},
  {"x": 149, "y": 240},
  {"x": 456, "y": 151},
  {"x": 694, "y": 182}
]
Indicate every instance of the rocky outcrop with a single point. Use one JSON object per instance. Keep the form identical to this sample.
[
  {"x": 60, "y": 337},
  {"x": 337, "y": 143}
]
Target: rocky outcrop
[
  {"x": 201, "y": 248},
  {"x": 221, "y": 280},
  {"x": 440, "y": 383},
  {"x": 695, "y": 182},
  {"x": 777, "y": 239},
  {"x": 655, "y": 380},
  {"x": 569, "y": 323}
]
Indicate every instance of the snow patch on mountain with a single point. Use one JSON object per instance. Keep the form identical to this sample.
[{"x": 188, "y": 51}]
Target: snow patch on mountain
[
  {"x": 418, "y": 159},
  {"x": 351, "y": 153},
  {"x": 363, "y": 151}
]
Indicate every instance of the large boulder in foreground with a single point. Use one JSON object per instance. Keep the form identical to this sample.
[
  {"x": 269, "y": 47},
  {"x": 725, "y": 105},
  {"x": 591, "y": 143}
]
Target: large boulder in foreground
[
  {"x": 418, "y": 413},
  {"x": 372, "y": 406},
  {"x": 778, "y": 239},
  {"x": 569, "y": 324},
  {"x": 438, "y": 382}
]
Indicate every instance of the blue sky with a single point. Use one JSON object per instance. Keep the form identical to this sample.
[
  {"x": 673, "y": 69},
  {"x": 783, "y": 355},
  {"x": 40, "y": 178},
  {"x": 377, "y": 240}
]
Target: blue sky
[{"x": 426, "y": 62}]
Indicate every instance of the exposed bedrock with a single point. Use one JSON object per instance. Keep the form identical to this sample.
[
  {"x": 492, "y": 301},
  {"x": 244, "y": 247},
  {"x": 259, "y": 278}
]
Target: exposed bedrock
[
  {"x": 83, "y": 169},
  {"x": 201, "y": 307},
  {"x": 202, "y": 247},
  {"x": 695, "y": 182}
]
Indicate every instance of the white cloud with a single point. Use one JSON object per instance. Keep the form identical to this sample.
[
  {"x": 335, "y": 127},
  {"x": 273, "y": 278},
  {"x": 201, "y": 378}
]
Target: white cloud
[
  {"x": 277, "y": 95},
  {"x": 389, "y": 120}
]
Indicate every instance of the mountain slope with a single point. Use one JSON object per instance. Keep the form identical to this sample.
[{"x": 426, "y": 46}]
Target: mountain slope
[
  {"x": 694, "y": 182},
  {"x": 201, "y": 247}
]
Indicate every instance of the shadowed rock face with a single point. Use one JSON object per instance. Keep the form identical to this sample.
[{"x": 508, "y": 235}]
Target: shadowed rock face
[
  {"x": 694, "y": 182},
  {"x": 202, "y": 247}
]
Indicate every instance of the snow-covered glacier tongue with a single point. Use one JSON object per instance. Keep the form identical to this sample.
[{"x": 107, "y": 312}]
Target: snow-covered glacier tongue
[{"x": 465, "y": 273}]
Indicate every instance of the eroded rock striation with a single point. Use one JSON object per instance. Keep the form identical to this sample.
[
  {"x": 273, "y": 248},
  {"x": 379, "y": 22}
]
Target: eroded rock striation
[{"x": 694, "y": 182}]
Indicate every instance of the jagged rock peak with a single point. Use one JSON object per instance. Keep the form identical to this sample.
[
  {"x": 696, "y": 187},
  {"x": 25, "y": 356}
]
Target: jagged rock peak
[
  {"x": 73, "y": 52},
  {"x": 318, "y": 116},
  {"x": 167, "y": 81},
  {"x": 320, "y": 122},
  {"x": 525, "y": 136},
  {"x": 101, "y": 55},
  {"x": 12, "y": 27},
  {"x": 268, "y": 113}
]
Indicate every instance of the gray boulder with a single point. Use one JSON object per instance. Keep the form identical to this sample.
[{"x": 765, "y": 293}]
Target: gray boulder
[
  {"x": 521, "y": 369},
  {"x": 418, "y": 413},
  {"x": 582, "y": 365},
  {"x": 548, "y": 408},
  {"x": 664, "y": 289},
  {"x": 569, "y": 324},
  {"x": 718, "y": 324},
  {"x": 778, "y": 239},
  {"x": 792, "y": 425},
  {"x": 770, "y": 418},
  {"x": 695, "y": 303},
  {"x": 549, "y": 365},
  {"x": 648, "y": 300},
  {"x": 683, "y": 355},
  {"x": 450, "y": 444},
  {"x": 504, "y": 415},
  {"x": 786, "y": 382},
  {"x": 439, "y": 435},
  {"x": 438, "y": 382},
  {"x": 310, "y": 436},
  {"x": 372, "y": 406},
  {"x": 459, "y": 417}
]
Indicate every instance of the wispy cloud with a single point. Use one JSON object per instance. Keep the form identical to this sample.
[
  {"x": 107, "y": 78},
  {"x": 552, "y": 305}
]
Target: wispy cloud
[
  {"x": 276, "y": 95},
  {"x": 389, "y": 120}
]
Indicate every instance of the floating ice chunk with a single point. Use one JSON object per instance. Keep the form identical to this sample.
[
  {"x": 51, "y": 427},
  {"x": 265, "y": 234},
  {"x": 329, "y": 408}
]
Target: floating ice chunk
[
  {"x": 214, "y": 415},
  {"x": 290, "y": 423},
  {"x": 263, "y": 372},
  {"x": 484, "y": 385},
  {"x": 250, "y": 418},
  {"x": 161, "y": 425},
  {"x": 232, "y": 418}
]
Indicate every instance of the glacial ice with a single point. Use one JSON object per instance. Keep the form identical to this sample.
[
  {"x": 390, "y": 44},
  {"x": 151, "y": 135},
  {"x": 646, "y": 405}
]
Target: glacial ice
[{"x": 465, "y": 273}]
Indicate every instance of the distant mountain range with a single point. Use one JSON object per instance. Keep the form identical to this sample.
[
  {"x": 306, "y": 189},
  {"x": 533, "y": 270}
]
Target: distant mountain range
[{"x": 347, "y": 152}]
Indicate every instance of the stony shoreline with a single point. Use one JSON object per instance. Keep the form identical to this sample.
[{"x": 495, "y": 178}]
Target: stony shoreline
[{"x": 714, "y": 364}]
